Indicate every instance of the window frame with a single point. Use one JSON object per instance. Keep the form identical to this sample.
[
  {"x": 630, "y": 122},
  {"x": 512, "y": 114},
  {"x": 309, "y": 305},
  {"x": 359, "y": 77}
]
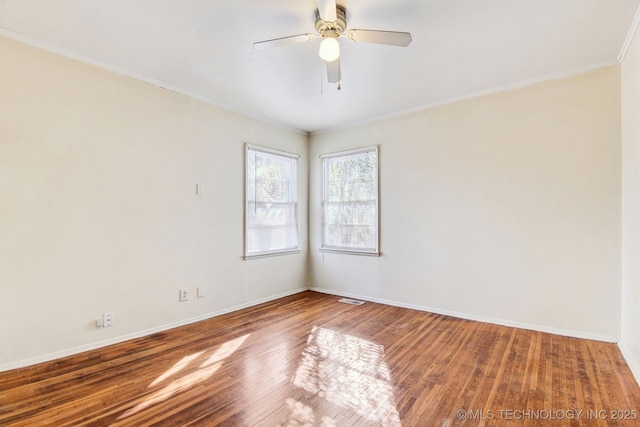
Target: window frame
[
  {"x": 375, "y": 251},
  {"x": 294, "y": 193}
]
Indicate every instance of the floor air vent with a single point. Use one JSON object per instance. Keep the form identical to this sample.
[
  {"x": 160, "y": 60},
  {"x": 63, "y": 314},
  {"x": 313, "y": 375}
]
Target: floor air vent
[{"x": 351, "y": 301}]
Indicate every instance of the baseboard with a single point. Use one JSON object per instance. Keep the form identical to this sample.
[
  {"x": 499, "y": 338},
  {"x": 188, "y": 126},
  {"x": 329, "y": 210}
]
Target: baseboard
[
  {"x": 501, "y": 322},
  {"x": 115, "y": 340},
  {"x": 634, "y": 364},
  {"x": 99, "y": 344}
]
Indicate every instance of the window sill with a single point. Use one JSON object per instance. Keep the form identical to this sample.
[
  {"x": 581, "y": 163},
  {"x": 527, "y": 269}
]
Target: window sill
[
  {"x": 270, "y": 254},
  {"x": 349, "y": 252}
]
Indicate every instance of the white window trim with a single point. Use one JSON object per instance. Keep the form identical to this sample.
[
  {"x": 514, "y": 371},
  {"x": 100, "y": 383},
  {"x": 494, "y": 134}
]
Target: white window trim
[
  {"x": 277, "y": 252},
  {"x": 341, "y": 250}
]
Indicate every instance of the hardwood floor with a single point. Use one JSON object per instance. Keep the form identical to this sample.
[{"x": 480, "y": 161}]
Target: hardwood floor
[{"x": 309, "y": 360}]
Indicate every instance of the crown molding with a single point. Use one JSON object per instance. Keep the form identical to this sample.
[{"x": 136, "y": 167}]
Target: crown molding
[
  {"x": 128, "y": 73},
  {"x": 630, "y": 35}
]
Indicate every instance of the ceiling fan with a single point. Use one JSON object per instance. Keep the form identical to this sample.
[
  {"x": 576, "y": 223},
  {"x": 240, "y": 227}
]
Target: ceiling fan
[{"x": 331, "y": 23}]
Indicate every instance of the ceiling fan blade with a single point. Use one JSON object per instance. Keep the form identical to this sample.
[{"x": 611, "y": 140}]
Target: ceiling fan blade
[
  {"x": 327, "y": 10},
  {"x": 393, "y": 38},
  {"x": 283, "y": 41},
  {"x": 334, "y": 74}
]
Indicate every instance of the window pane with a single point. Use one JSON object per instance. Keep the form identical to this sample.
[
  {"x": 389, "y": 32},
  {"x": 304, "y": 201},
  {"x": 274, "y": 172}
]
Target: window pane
[
  {"x": 271, "y": 205},
  {"x": 351, "y": 201}
]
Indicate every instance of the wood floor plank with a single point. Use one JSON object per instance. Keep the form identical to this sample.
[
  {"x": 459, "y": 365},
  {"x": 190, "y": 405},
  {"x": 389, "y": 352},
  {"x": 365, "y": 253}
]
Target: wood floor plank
[{"x": 307, "y": 359}]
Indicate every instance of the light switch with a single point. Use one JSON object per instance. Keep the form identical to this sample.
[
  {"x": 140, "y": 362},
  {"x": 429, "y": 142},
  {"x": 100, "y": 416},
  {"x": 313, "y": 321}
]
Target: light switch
[{"x": 200, "y": 189}]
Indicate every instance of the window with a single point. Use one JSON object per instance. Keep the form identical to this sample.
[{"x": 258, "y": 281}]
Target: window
[
  {"x": 350, "y": 201},
  {"x": 271, "y": 202}
]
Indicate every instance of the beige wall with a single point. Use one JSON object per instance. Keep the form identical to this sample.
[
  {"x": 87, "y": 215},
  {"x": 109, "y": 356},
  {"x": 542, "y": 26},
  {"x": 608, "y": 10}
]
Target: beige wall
[
  {"x": 504, "y": 208},
  {"x": 630, "y": 340},
  {"x": 98, "y": 209}
]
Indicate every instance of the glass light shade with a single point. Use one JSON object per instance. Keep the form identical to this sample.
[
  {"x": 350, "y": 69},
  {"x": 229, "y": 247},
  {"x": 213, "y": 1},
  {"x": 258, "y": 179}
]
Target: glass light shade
[{"x": 329, "y": 49}]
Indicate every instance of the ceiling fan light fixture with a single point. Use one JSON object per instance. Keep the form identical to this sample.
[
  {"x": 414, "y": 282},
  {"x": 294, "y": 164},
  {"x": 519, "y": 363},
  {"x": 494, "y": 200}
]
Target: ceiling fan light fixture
[{"x": 329, "y": 49}]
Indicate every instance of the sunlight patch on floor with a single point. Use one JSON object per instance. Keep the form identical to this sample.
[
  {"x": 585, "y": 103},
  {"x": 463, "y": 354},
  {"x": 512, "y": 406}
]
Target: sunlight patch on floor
[
  {"x": 207, "y": 362},
  {"x": 184, "y": 362},
  {"x": 303, "y": 415},
  {"x": 350, "y": 372}
]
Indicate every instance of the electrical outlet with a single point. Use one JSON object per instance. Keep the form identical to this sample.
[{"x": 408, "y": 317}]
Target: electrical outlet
[
  {"x": 184, "y": 294},
  {"x": 108, "y": 319}
]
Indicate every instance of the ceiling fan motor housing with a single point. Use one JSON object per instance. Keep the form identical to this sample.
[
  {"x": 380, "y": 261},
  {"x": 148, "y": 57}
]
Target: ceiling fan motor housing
[{"x": 335, "y": 28}]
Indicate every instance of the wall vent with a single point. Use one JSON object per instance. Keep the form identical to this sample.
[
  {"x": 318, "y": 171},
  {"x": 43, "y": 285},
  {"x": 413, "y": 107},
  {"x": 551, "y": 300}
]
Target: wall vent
[{"x": 351, "y": 301}]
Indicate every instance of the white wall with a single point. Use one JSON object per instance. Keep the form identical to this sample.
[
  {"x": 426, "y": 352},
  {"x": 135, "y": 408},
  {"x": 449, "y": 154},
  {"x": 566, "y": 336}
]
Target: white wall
[
  {"x": 504, "y": 208},
  {"x": 630, "y": 340},
  {"x": 98, "y": 210}
]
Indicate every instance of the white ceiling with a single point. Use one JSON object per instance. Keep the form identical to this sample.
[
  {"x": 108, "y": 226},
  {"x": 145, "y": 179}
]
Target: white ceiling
[{"x": 204, "y": 48}]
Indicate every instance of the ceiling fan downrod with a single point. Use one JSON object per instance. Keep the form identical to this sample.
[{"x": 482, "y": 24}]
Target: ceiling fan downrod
[{"x": 334, "y": 27}]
